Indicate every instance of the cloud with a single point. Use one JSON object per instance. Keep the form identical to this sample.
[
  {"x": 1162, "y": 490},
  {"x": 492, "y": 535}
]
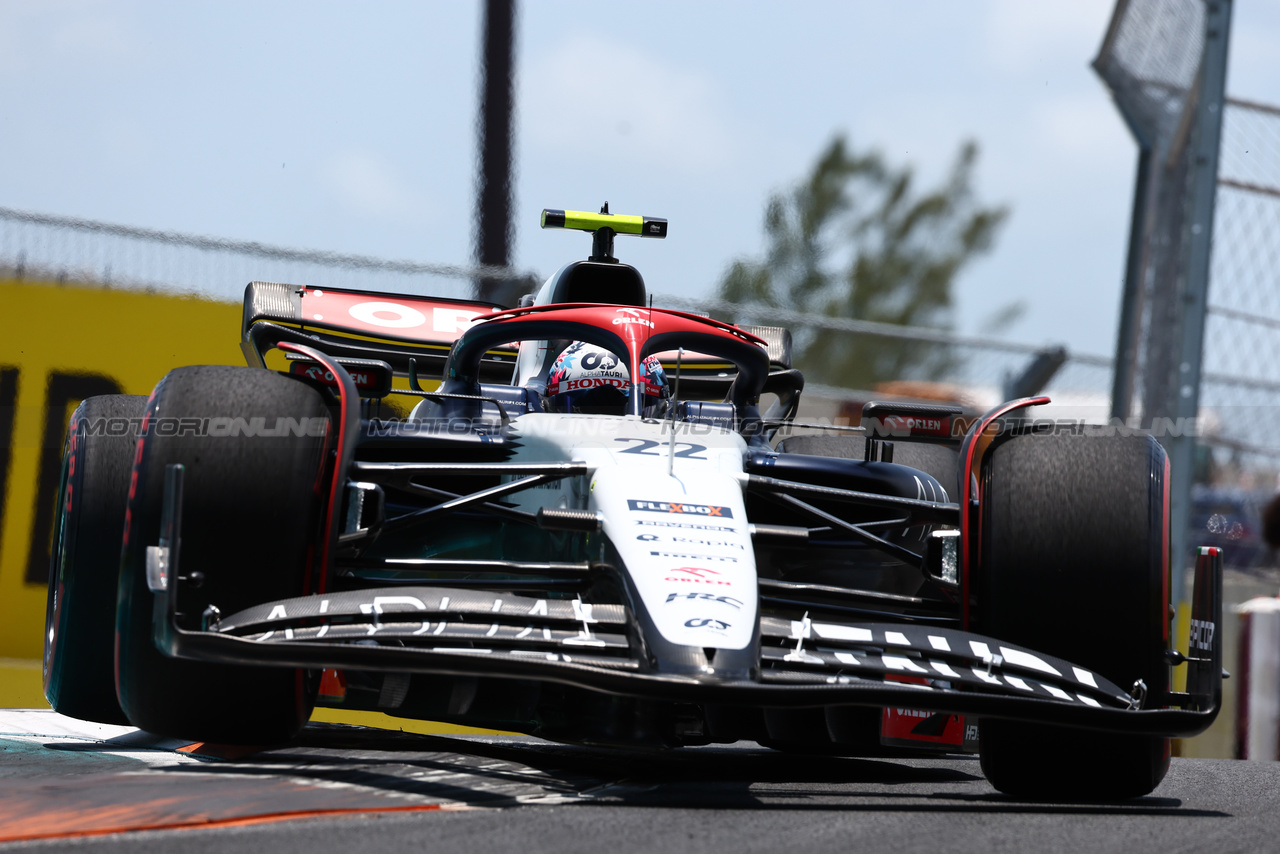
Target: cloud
[
  {"x": 593, "y": 93},
  {"x": 368, "y": 186},
  {"x": 71, "y": 33}
]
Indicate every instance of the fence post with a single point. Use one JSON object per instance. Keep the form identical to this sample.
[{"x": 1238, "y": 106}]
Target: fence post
[{"x": 1258, "y": 698}]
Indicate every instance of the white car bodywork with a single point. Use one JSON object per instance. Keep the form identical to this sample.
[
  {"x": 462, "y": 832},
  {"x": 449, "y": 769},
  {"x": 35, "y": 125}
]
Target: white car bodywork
[{"x": 673, "y": 510}]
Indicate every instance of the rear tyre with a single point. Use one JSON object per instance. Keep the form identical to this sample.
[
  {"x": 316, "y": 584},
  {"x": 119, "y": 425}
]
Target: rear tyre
[
  {"x": 250, "y": 522},
  {"x": 1073, "y": 563},
  {"x": 88, "y": 529}
]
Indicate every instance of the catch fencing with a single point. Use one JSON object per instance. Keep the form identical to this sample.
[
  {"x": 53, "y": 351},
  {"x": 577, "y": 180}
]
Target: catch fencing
[
  {"x": 40, "y": 247},
  {"x": 1242, "y": 335}
]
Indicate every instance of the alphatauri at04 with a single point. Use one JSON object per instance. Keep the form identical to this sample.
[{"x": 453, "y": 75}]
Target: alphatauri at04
[{"x": 587, "y": 526}]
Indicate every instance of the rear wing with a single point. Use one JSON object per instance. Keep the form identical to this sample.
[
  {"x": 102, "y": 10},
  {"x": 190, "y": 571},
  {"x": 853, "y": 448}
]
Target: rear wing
[
  {"x": 394, "y": 328},
  {"x": 413, "y": 335}
]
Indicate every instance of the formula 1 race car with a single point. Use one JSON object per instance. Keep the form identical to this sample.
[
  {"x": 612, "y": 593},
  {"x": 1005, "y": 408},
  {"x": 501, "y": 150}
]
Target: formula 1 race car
[{"x": 582, "y": 526}]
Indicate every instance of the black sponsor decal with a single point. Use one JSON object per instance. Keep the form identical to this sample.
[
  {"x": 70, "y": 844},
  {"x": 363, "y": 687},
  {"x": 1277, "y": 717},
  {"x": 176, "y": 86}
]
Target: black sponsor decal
[
  {"x": 706, "y": 623},
  {"x": 706, "y": 597},
  {"x": 707, "y": 510},
  {"x": 599, "y": 360},
  {"x": 690, "y": 541},
  {"x": 691, "y": 526},
  {"x": 646, "y": 447},
  {"x": 715, "y": 544},
  {"x": 1202, "y": 635},
  {"x": 684, "y": 556}
]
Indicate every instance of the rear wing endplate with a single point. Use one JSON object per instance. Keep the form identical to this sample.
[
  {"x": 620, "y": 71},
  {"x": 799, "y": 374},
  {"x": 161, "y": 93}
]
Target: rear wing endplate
[{"x": 363, "y": 324}]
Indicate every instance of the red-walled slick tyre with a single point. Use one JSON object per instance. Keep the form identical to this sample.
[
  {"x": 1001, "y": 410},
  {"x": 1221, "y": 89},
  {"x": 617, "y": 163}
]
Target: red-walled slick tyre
[
  {"x": 251, "y": 519},
  {"x": 88, "y": 528},
  {"x": 1073, "y": 563}
]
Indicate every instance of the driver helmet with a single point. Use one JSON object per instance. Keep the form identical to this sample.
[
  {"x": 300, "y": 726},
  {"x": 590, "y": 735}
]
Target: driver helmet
[{"x": 590, "y": 379}]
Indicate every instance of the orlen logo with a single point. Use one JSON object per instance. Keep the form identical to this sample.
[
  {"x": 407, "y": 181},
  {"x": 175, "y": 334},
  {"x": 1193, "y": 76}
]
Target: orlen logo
[
  {"x": 362, "y": 379},
  {"x": 695, "y": 575},
  {"x": 392, "y": 315},
  {"x": 632, "y": 315},
  {"x": 907, "y": 425},
  {"x": 671, "y": 507}
]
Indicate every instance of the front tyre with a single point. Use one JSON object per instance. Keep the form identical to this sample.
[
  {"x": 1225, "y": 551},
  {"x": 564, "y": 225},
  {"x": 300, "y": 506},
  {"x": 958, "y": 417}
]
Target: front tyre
[
  {"x": 80, "y": 617},
  {"x": 1074, "y": 563},
  {"x": 253, "y": 446}
]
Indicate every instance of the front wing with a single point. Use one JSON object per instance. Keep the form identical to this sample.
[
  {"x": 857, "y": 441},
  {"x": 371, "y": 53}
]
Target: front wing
[{"x": 802, "y": 663}]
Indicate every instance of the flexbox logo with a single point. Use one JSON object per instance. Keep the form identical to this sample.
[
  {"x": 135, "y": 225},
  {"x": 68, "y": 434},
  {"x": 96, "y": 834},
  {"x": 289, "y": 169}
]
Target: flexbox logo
[{"x": 687, "y": 509}]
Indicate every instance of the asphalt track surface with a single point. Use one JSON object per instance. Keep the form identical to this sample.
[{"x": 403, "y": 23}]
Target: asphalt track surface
[{"x": 65, "y": 785}]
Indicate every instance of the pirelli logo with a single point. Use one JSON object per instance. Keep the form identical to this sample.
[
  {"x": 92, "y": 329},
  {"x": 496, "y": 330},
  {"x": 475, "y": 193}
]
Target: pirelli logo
[{"x": 707, "y": 510}]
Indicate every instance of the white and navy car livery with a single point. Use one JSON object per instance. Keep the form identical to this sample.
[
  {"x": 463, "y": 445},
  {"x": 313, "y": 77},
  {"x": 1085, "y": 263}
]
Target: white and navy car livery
[{"x": 690, "y": 570}]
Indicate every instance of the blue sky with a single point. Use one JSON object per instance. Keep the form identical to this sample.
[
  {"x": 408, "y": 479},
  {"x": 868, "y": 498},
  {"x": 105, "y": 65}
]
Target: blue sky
[{"x": 351, "y": 126}]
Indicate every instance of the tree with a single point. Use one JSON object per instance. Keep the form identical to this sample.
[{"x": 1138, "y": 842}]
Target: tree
[{"x": 855, "y": 240}]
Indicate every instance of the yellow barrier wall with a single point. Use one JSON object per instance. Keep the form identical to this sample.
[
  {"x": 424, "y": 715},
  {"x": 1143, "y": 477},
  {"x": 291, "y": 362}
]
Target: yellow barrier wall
[
  {"x": 57, "y": 344},
  {"x": 56, "y": 341}
]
